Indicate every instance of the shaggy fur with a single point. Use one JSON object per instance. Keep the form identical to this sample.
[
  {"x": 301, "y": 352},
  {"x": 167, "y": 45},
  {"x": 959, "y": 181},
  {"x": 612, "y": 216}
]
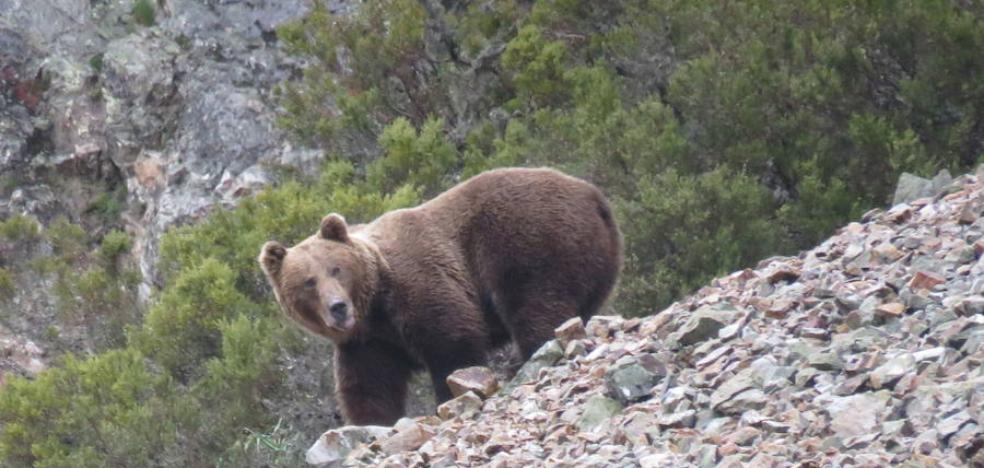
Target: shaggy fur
[{"x": 508, "y": 254}]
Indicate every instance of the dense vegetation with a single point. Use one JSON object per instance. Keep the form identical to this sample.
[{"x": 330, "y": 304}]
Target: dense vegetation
[{"x": 723, "y": 131}]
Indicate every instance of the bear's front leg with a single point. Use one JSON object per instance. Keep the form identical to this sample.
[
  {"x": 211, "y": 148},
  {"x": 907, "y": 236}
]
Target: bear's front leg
[{"x": 371, "y": 383}]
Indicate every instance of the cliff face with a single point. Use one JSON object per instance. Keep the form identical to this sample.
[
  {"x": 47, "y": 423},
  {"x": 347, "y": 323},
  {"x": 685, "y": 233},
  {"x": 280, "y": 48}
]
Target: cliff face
[
  {"x": 866, "y": 350},
  {"x": 178, "y": 112},
  {"x": 167, "y": 117}
]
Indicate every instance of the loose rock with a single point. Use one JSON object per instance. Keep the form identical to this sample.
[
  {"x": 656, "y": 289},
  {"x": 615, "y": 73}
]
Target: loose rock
[{"x": 480, "y": 380}]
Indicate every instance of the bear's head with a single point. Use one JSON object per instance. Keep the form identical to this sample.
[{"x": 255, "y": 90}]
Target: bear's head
[{"x": 326, "y": 282}]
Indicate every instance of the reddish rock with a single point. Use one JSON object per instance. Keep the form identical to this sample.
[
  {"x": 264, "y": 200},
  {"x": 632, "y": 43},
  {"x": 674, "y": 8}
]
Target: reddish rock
[
  {"x": 409, "y": 438},
  {"x": 570, "y": 330},
  {"x": 967, "y": 215},
  {"x": 784, "y": 274},
  {"x": 891, "y": 309},
  {"x": 925, "y": 280},
  {"x": 480, "y": 380}
]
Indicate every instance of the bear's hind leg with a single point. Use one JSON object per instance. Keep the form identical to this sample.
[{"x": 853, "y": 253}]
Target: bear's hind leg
[{"x": 532, "y": 321}]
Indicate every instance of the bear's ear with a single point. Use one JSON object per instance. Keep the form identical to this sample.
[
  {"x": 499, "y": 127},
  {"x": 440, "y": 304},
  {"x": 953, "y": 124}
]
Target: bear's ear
[
  {"x": 272, "y": 257},
  {"x": 333, "y": 227}
]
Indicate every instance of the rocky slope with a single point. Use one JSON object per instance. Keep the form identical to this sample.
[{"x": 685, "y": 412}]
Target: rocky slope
[{"x": 865, "y": 351}]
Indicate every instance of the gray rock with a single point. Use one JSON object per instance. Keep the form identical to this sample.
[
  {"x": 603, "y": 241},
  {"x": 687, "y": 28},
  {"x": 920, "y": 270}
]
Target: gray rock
[
  {"x": 704, "y": 324},
  {"x": 632, "y": 380},
  {"x": 972, "y": 305},
  {"x": 546, "y": 356},
  {"x": 952, "y": 424},
  {"x": 596, "y": 411},
  {"x": 750, "y": 399},
  {"x": 941, "y": 181},
  {"x": 891, "y": 371},
  {"x": 574, "y": 348},
  {"x": 857, "y": 414},
  {"x": 680, "y": 419},
  {"x": 825, "y": 361},
  {"x": 739, "y": 393},
  {"x": 464, "y": 406},
  {"x": 333, "y": 446},
  {"x": 911, "y": 187}
]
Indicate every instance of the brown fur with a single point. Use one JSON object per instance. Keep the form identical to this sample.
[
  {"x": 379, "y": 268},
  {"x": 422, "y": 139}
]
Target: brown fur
[{"x": 507, "y": 254}]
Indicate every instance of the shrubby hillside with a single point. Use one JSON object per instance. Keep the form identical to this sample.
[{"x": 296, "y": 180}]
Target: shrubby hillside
[{"x": 724, "y": 133}]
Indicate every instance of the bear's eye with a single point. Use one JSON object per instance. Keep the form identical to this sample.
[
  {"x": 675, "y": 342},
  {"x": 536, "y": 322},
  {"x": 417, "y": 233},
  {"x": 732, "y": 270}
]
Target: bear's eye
[
  {"x": 335, "y": 271},
  {"x": 309, "y": 283}
]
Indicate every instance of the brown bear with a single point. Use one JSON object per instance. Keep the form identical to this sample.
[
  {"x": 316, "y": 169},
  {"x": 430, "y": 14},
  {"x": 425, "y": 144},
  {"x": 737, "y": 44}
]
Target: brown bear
[{"x": 508, "y": 254}]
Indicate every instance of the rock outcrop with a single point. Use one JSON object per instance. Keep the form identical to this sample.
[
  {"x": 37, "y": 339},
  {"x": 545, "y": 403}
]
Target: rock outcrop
[
  {"x": 865, "y": 351},
  {"x": 168, "y": 119},
  {"x": 180, "y": 112}
]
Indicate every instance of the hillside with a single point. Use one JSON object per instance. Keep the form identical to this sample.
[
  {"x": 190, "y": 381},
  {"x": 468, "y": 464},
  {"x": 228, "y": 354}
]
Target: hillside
[
  {"x": 148, "y": 148},
  {"x": 864, "y": 351}
]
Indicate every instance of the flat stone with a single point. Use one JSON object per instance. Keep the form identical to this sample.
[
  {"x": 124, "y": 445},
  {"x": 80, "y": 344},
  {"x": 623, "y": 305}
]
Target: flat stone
[
  {"x": 597, "y": 410},
  {"x": 704, "y": 324},
  {"x": 967, "y": 215},
  {"x": 409, "y": 438},
  {"x": 634, "y": 379},
  {"x": 953, "y": 423},
  {"x": 574, "y": 348},
  {"x": 478, "y": 379},
  {"x": 887, "y": 253},
  {"x": 891, "y": 309},
  {"x": 925, "y": 280},
  {"x": 826, "y": 361},
  {"x": 334, "y": 445},
  {"x": 546, "y": 356},
  {"x": 572, "y": 329},
  {"x": 891, "y": 371},
  {"x": 911, "y": 187},
  {"x": 856, "y": 415},
  {"x": 786, "y": 273},
  {"x": 602, "y": 326},
  {"x": 678, "y": 419},
  {"x": 464, "y": 406}
]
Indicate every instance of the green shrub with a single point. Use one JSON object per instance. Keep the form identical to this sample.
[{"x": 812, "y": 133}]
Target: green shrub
[
  {"x": 20, "y": 228},
  {"x": 110, "y": 410},
  {"x": 727, "y": 217},
  {"x": 7, "y": 285},
  {"x": 96, "y": 62},
  {"x": 68, "y": 241},
  {"x": 96, "y": 291},
  {"x": 109, "y": 205},
  {"x": 144, "y": 13},
  {"x": 183, "y": 329},
  {"x": 423, "y": 158},
  {"x": 114, "y": 245}
]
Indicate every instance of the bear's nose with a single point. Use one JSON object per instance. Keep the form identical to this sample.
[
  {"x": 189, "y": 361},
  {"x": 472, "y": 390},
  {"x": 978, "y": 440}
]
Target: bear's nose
[{"x": 338, "y": 308}]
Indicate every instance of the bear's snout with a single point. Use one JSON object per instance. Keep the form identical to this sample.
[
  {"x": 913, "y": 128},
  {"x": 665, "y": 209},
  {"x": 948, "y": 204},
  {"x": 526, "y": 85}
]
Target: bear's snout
[{"x": 338, "y": 311}]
